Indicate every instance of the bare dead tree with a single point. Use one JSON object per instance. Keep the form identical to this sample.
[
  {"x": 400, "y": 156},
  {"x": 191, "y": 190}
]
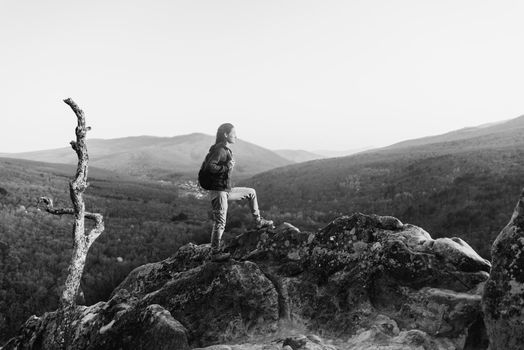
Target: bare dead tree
[{"x": 81, "y": 240}]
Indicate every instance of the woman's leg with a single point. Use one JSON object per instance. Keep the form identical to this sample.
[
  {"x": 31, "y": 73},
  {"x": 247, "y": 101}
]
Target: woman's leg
[
  {"x": 240, "y": 193},
  {"x": 219, "y": 205}
]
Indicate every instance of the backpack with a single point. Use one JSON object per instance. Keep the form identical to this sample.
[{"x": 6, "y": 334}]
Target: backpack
[{"x": 205, "y": 178}]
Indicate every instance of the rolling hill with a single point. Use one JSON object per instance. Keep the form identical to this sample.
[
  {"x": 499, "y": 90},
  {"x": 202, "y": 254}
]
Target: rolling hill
[
  {"x": 160, "y": 157},
  {"x": 493, "y": 135},
  {"x": 462, "y": 183},
  {"x": 298, "y": 156}
]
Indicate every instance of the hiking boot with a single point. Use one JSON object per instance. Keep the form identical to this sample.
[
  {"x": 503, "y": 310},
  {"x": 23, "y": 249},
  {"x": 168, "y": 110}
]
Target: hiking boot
[
  {"x": 220, "y": 256},
  {"x": 261, "y": 222}
]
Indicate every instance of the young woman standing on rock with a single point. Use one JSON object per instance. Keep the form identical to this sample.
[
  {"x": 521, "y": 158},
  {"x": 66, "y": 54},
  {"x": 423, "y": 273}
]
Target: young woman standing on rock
[{"x": 215, "y": 176}]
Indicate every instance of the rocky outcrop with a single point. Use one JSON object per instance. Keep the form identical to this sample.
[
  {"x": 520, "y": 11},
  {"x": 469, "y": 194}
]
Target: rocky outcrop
[
  {"x": 110, "y": 325},
  {"x": 360, "y": 282},
  {"x": 503, "y": 299}
]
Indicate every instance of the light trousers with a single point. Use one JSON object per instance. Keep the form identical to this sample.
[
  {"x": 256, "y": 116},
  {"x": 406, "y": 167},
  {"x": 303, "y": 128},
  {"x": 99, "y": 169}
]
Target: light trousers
[{"x": 219, "y": 202}]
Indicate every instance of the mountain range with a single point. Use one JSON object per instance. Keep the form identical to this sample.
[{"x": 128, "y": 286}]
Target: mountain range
[
  {"x": 160, "y": 157},
  {"x": 170, "y": 157}
]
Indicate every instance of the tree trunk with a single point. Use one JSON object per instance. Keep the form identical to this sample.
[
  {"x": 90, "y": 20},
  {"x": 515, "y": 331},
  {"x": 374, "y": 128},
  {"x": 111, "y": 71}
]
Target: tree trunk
[
  {"x": 76, "y": 266},
  {"x": 81, "y": 240}
]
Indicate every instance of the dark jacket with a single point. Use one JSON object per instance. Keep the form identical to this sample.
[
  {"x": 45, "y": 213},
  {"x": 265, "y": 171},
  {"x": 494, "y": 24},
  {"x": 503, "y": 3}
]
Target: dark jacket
[{"x": 217, "y": 163}]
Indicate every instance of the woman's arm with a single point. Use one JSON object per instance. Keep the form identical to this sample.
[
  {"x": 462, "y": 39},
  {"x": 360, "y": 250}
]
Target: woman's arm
[{"x": 218, "y": 156}]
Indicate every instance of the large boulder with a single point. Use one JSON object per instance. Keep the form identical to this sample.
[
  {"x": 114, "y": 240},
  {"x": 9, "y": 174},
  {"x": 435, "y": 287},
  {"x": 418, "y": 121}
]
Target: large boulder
[
  {"x": 503, "y": 299},
  {"x": 337, "y": 280},
  {"x": 221, "y": 302},
  {"x": 105, "y": 326},
  {"x": 208, "y": 304},
  {"x": 362, "y": 280}
]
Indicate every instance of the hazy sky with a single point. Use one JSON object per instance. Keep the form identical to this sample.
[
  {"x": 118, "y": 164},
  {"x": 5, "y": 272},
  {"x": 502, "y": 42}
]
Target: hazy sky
[{"x": 289, "y": 74}]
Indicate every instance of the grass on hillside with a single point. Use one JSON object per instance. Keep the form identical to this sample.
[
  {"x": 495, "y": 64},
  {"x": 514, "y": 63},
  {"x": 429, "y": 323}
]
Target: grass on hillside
[{"x": 466, "y": 194}]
